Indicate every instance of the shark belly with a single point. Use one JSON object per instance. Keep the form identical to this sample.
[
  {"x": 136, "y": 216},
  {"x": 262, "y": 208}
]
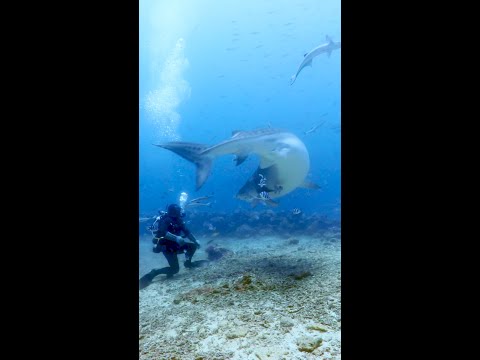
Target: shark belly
[
  {"x": 288, "y": 167},
  {"x": 284, "y": 165}
]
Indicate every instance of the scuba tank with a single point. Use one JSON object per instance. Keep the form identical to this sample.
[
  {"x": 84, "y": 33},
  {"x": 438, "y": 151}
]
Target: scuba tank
[{"x": 154, "y": 226}]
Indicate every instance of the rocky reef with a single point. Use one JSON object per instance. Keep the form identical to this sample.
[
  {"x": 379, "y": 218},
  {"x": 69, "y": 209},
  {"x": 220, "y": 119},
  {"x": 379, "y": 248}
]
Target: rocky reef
[{"x": 246, "y": 223}]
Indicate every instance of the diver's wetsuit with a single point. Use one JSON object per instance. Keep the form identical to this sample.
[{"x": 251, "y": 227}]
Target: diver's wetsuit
[{"x": 170, "y": 249}]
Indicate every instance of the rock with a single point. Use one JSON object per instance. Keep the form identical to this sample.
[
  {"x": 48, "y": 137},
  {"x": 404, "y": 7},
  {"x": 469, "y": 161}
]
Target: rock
[
  {"x": 308, "y": 344},
  {"x": 286, "y": 322},
  {"x": 293, "y": 241},
  {"x": 238, "y": 332},
  {"x": 271, "y": 352},
  {"x": 318, "y": 327},
  {"x": 216, "y": 253}
]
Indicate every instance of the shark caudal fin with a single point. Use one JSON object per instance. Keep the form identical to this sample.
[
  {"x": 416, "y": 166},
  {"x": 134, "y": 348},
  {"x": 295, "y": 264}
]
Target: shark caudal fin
[{"x": 193, "y": 153}]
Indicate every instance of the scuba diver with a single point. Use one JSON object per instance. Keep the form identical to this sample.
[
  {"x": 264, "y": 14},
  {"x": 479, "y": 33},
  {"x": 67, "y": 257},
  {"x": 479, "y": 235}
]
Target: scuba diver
[{"x": 169, "y": 227}]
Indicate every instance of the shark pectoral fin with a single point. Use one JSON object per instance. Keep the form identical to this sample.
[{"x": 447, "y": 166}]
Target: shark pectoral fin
[
  {"x": 240, "y": 158},
  {"x": 204, "y": 167},
  {"x": 309, "y": 185},
  {"x": 309, "y": 63}
]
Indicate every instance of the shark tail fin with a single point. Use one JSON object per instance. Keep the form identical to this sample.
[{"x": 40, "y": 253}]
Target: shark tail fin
[
  {"x": 292, "y": 79},
  {"x": 204, "y": 168},
  {"x": 192, "y": 152}
]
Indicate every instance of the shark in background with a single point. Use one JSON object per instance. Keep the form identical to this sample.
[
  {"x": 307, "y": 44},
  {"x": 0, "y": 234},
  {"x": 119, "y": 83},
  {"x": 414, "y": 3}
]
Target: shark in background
[
  {"x": 284, "y": 162},
  {"x": 327, "y": 48}
]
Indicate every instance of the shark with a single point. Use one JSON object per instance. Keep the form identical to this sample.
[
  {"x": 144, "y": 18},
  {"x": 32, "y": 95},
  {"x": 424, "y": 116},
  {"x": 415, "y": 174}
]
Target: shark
[
  {"x": 284, "y": 162},
  {"x": 327, "y": 48}
]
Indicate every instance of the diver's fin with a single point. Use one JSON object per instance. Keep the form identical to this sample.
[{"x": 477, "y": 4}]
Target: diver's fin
[
  {"x": 309, "y": 185},
  {"x": 195, "y": 264},
  {"x": 145, "y": 280}
]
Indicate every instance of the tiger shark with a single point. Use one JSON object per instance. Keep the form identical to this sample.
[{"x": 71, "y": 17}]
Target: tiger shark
[
  {"x": 328, "y": 47},
  {"x": 284, "y": 162}
]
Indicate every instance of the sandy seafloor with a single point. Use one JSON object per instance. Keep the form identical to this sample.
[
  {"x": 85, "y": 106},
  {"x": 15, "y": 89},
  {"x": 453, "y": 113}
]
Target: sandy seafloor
[{"x": 271, "y": 299}]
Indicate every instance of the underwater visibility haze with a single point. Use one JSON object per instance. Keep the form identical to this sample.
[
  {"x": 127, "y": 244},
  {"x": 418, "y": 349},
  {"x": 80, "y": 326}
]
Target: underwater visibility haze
[{"x": 239, "y": 119}]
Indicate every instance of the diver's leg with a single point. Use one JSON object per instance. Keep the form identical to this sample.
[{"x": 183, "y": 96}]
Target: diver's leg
[
  {"x": 190, "y": 250},
  {"x": 169, "y": 270},
  {"x": 173, "y": 262}
]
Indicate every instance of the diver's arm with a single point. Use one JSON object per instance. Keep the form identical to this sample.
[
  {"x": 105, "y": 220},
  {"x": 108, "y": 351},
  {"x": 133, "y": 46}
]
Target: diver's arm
[
  {"x": 192, "y": 238},
  {"x": 178, "y": 239}
]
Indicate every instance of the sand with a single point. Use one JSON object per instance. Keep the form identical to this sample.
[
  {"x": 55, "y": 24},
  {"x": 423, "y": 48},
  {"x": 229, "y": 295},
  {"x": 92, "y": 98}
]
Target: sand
[{"x": 271, "y": 299}]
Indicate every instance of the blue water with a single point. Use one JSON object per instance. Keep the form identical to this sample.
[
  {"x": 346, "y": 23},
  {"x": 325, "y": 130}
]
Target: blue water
[{"x": 210, "y": 67}]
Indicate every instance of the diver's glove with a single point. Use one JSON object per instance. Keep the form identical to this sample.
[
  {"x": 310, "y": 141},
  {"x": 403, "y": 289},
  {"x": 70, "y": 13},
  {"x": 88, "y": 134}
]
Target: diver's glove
[
  {"x": 193, "y": 240},
  {"x": 178, "y": 239}
]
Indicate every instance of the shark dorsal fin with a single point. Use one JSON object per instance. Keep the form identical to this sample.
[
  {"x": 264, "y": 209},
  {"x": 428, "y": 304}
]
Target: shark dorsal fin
[
  {"x": 329, "y": 39},
  {"x": 305, "y": 54}
]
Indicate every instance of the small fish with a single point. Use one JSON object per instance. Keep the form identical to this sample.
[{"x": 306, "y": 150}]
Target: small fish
[
  {"x": 296, "y": 211},
  {"x": 314, "y": 128},
  {"x": 200, "y": 199},
  {"x": 264, "y": 195},
  {"x": 195, "y": 204},
  {"x": 263, "y": 181},
  {"x": 209, "y": 226}
]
